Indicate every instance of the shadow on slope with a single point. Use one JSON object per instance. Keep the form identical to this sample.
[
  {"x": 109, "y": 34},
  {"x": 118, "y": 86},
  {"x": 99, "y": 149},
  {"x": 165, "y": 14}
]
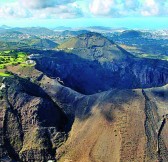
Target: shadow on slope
[{"x": 89, "y": 77}]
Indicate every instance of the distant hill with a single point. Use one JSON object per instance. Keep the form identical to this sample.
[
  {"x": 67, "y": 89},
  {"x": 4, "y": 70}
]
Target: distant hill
[
  {"x": 43, "y": 43},
  {"x": 73, "y": 33},
  {"x": 35, "y": 43},
  {"x": 12, "y": 32},
  {"x": 127, "y": 34},
  {"x": 14, "y": 38},
  {"x": 14, "y": 35},
  {"x": 38, "y": 31},
  {"x": 99, "y": 28},
  {"x": 5, "y": 27},
  {"x": 61, "y": 28},
  {"x": 131, "y": 34},
  {"x": 94, "y": 46}
]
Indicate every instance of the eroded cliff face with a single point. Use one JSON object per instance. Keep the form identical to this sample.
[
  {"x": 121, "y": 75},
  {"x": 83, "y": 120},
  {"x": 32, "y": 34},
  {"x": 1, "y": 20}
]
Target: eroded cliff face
[
  {"x": 33, "y": 126},
  {"x": 89, "y": 77},
  {"x": 49, "y": 121}
]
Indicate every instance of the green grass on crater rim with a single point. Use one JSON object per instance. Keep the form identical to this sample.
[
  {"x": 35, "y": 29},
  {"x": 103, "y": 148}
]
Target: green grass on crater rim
[
  {"x": 11, "y": 58},
  {"x": 3, "y": 74}
]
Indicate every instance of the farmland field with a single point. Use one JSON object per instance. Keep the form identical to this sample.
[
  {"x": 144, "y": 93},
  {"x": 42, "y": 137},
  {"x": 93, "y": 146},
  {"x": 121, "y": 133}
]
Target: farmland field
[{"x": 11, "y": 58}]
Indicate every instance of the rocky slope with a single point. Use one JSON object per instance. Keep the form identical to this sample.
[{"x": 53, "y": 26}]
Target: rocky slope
[
  {"x": 45, "y": 118},
  {"x": 33, "y": 126},
  {"x": 118, "y": 125}
]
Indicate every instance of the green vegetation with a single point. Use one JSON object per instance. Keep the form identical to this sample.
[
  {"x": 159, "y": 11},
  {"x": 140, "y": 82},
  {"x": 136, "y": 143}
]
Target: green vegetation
[
  {"x": 11, "y": 58},
  {"x": 32, "y": 43},
  {"x": 4, "y": 74},
  {"x": 138, "y": 53},
  {"x": 68, "y": 44},
  {"x": 154, "y": 56}
]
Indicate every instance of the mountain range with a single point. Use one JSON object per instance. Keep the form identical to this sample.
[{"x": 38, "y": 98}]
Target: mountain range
[{"x": 86, "y": 100}]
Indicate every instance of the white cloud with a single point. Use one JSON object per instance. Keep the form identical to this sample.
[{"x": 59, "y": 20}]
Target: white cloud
[
  {"x": 99, "y": 7},
  {"x": 37, "y": 4},
  {"x": 14, "y": 10},
  {"x": 117, "y": 8},
  {"x": 150, "y": 8},
  {"x": 83, "y": 8},
  {"x": 61, "y": 11},
  {"x": 40, "y": 9}
]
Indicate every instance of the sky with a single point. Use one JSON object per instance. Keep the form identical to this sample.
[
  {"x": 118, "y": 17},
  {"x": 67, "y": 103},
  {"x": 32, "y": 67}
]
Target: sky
[{"x": 145, "y": 14}]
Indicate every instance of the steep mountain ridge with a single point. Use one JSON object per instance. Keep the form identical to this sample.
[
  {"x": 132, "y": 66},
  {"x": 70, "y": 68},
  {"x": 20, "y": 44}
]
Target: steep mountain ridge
[
  {"x": 104, "y": 65},
  {"x": 94, "y": 46},
  {"x": 126, "y": 123}
]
